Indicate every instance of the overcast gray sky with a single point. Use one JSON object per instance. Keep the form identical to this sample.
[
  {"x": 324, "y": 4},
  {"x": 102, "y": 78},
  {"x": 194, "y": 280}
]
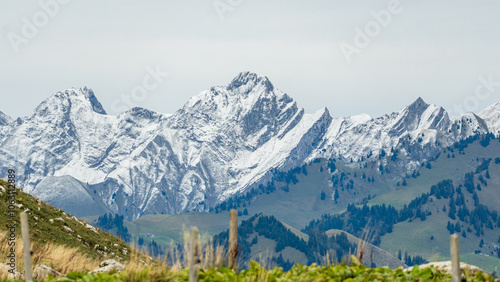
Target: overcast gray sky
[{"x": 438, "y": 51}]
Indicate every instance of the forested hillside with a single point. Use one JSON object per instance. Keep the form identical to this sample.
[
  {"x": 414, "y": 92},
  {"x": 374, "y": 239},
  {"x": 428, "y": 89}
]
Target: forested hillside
[{"x": 374, "y": 197}]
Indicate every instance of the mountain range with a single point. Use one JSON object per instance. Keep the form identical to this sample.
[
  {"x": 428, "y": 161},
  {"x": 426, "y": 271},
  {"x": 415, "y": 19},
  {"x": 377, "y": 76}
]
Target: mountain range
[{"x": 221, "y": 143}]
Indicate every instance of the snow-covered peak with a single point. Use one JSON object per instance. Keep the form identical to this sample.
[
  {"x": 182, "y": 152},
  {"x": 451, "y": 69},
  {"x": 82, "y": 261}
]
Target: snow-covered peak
[
  {"x": 495, "y": 106},
  {"x": 143, "y": 114},
  {"x": 69, "y": 100},
  {"x": 4, "y": 119},
  {"x": 419, "y": 115},
  {"x": 222, "y": 141},
  {"x": 466, "y": 125},
  {"x": 246, "y": 88},
  {"x": 245, "y": 81},
  {"x": 491, "y": 115},
  {"x": 249, "y": 107},
  {"x": 359, "y": 119},
  {"x": 418, "y": 103},
  {"x": 96, "y": 105},
  {"x": 358, "y": 136}
]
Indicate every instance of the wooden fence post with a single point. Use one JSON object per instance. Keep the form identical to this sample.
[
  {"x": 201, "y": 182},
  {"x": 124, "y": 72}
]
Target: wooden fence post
[
  {"x": 455, "y": 259},
  {"x": 233, "y": 239},
  {"x": 194, "y": 260},
  {"x": 26, "y": 243}
]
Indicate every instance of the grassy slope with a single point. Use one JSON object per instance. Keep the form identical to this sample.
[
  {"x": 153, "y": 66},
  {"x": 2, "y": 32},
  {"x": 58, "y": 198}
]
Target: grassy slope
[
  {"x": 415, "y": 237},
  {"x": 487, "y": 263},
  {"x": 443, "y": 168},
  {"x": 302, "y": 203},
  {"x": 42, "y": 231},
  {"x": 169, "y": 228},
  {"x": 380, "y": 257},
  {"x": 265, "y": 249}
]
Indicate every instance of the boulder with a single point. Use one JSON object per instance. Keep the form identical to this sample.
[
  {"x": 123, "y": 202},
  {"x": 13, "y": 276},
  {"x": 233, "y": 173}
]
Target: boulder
[
  {"x": 445, "y": 266},
  {"x": 107, "y": 266},
  {"x": 4, "y": 273},
  {"x": 91, "y": 228},
  {"x": 42, "y": 271}
]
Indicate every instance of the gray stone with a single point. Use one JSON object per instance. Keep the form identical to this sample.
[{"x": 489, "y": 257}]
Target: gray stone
[
  {"x": 107, "y": 266},
  {"x": 42, "y": 271},
  {"x": 4, "y": 272},
  {"x": 445, "y": 266}
]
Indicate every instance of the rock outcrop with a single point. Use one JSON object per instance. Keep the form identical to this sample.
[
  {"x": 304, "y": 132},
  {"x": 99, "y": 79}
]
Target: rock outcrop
[{"x": 107, "y": 266}]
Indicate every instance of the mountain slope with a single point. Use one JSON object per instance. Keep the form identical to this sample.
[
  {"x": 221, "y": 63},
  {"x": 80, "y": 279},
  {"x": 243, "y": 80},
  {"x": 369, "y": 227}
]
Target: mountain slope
[
  {"x": 308, "y": 192},
  {"x": 52, "y": 230},
  {"x": 4, "y": 119},
  {"x": 371, "y": 254},
  {"x": 70, "y": 195},
  {"x": 357, "y": 137},
  {"x": 458, "y": 192},
  {"x": 221, "y": 143},
  {"x": 266, "y": 239},
  {"x": 141, "y": 162},
  {"x": 491, "y": 115}
]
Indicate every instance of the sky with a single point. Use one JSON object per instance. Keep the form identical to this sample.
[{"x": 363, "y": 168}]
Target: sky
[{"x": 352, "y": 57}]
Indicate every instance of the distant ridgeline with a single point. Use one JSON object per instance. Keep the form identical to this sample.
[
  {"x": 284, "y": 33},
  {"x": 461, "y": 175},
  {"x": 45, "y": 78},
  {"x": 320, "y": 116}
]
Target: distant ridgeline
[
  {"x": 255, "y": 130},
  {"x": 264, "y": 226}
]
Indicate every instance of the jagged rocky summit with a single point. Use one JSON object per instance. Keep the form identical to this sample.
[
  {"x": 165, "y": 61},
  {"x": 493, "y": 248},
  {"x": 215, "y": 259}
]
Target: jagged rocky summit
[{"x": 218, "y": 144}]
